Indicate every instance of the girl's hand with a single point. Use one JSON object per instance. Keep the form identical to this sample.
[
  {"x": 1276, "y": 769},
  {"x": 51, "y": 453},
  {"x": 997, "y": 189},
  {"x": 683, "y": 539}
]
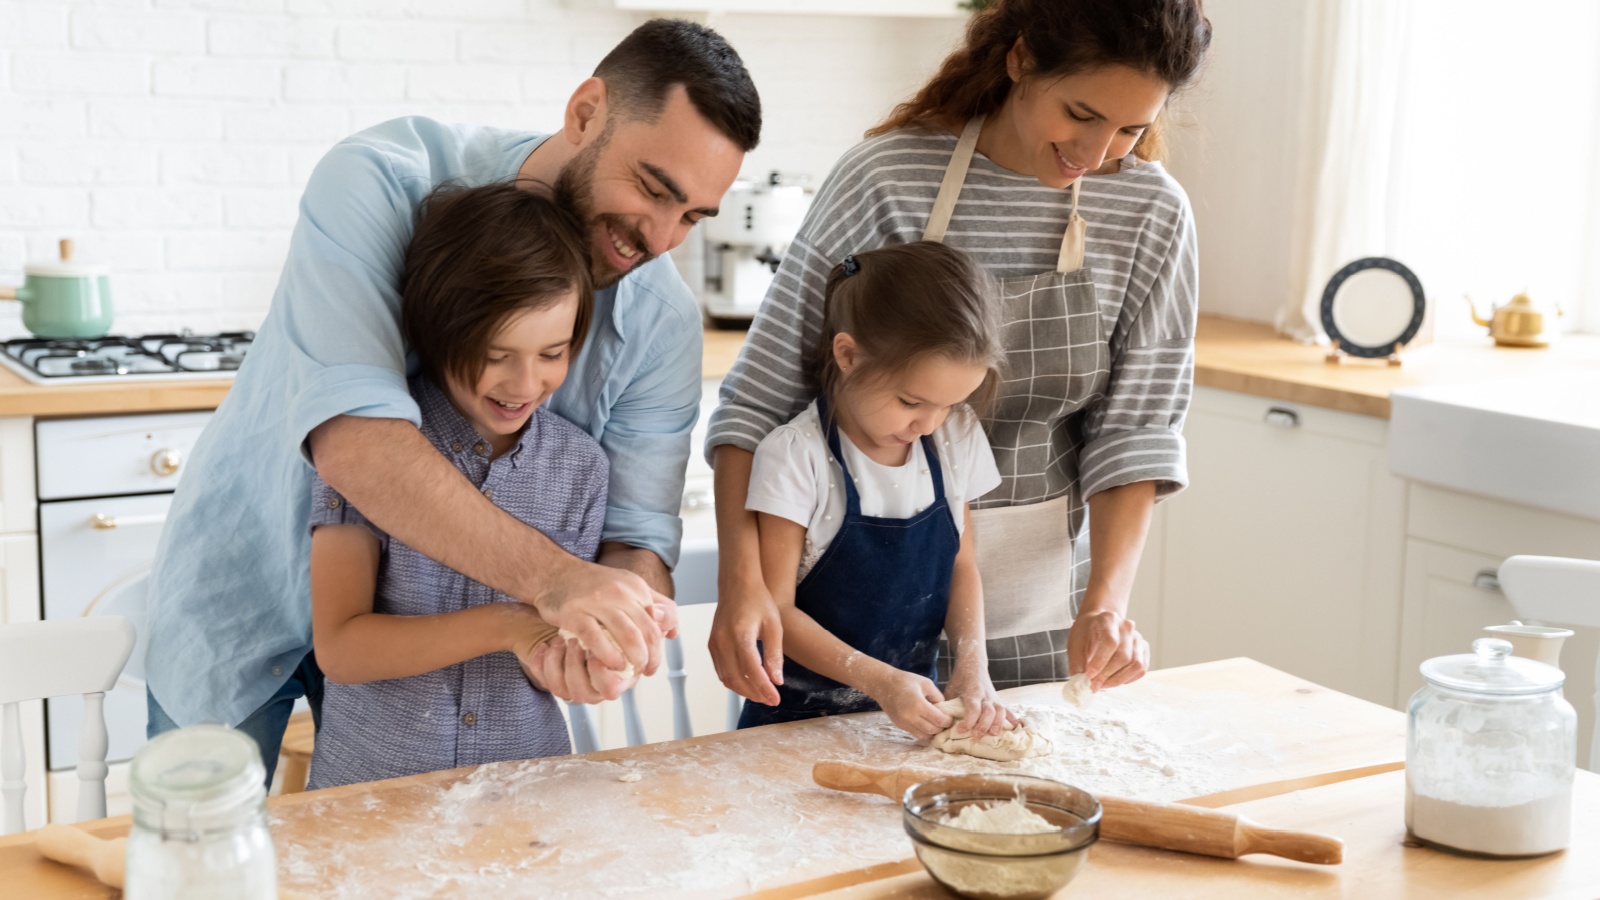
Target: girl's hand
[
  {"x": 909, "y": 700},
  {"x": 985, "y": 714},
  {"x": 1104, "y": 645}
]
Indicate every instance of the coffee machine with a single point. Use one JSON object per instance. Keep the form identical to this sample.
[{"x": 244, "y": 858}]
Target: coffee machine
[{"x": 745, "y": 243}]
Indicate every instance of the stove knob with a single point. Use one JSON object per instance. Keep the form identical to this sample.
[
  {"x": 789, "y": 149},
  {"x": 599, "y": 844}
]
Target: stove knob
[{"x": 166, "y": 462}]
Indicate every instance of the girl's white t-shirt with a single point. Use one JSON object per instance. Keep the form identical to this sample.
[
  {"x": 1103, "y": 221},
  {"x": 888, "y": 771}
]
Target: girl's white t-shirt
[{"x": 795, "y": 477}]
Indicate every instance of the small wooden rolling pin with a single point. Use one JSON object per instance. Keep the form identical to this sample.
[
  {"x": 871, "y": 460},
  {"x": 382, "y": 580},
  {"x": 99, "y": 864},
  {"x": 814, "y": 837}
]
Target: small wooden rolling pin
[
  {"x": 107, "y": 859},
  {"x": 1168, "y": 826}
]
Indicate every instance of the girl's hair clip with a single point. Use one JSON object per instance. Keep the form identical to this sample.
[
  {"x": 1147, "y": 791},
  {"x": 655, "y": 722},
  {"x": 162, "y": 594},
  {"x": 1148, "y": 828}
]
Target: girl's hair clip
[{"x": 850, "y": 265}]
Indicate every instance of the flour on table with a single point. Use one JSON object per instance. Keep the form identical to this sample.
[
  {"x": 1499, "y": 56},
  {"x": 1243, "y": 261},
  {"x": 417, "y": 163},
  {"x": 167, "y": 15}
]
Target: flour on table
[
  {"x": 630, "y": 777},
  {"x": 1077, "y": 690},
  {"x": 1001, "y": 817},
  {"x": 1015, "y": 742},
  {"x": 627, "y": 671}
]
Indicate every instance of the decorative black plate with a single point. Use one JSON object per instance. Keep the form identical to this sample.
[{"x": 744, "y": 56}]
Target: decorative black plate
[{"x": 1371, "y": 351}]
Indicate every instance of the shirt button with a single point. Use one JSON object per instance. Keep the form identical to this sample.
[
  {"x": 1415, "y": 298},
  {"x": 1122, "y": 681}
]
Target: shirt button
[
  {"x": 456, "y": 446},
  {"x": 480, "y": 448},
  {"x": 470, "y": 718},
  {"x": 277, "y": 670},
  {"x": 333, "y": 502},
  {"x": 489, "y": 492}
]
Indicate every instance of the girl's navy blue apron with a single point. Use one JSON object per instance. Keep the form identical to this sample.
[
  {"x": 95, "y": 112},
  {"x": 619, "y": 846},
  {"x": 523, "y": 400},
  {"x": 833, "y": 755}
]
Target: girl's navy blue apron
[{"x": 882, "y": 586}]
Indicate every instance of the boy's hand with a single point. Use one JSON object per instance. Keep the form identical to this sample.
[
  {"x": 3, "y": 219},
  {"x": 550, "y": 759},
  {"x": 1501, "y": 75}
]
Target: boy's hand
[
  {"x": 984, "y": 712},
  {"x": 909, "y": 700},
  {"x": 562, "y": 669}
]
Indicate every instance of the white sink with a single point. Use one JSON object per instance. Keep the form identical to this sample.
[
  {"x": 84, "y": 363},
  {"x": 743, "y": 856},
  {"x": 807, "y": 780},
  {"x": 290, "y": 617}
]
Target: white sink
[{"x": 1533, "y": 441}]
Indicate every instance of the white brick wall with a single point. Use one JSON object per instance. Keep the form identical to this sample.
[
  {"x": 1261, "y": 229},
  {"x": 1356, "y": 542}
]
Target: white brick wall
[{"x": 171, "y": 138}]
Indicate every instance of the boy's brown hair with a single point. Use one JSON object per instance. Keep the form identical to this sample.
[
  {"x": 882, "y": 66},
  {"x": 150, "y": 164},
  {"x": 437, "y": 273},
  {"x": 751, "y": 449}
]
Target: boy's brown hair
[
  {"x": 904, "y": 303},
  {"x": 479, "y": 254}
]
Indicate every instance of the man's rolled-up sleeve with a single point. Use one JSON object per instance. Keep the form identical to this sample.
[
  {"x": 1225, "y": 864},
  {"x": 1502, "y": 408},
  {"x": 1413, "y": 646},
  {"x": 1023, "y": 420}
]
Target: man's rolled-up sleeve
[
  {"x": 647, "y": 441},
  {"x": 338, "y": 301}
]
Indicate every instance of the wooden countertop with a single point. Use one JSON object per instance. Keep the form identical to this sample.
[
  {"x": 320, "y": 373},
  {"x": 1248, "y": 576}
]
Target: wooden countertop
[
  {"x": 1252, "y": 358},
  {"x": 1248, "y": 357},
  {"x": 735, "y": 813}
]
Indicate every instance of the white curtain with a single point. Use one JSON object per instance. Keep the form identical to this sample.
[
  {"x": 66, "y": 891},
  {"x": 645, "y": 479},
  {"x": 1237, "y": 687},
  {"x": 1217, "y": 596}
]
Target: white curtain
[
  {"x": 1461, "y": 137},
  {"x": 1355, "y": 58}
]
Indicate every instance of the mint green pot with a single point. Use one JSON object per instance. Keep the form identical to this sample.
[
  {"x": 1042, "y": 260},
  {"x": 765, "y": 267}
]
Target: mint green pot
[{"x": 60, "y": 305}]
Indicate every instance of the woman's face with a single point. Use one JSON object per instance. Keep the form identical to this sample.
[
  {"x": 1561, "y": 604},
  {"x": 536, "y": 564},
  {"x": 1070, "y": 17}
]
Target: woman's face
[
  {"x": 1058, "y": 129},
  {"x": 527, "y": 361}
]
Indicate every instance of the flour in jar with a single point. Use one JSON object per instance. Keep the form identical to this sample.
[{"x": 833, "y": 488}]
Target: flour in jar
[{"x": 1532, "y": 828}]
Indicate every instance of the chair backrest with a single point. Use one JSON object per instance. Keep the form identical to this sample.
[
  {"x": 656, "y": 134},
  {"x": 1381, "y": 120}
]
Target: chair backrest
[
  {"x": 59, "y": 658},
  {"x": 1553, "y": 590},
  {"x": 694, "y": 582}
]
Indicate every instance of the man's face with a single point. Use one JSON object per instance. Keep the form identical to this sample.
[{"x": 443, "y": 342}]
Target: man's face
[{"x": 640, "y": 186}]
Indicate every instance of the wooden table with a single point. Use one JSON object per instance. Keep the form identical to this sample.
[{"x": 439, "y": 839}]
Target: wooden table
[{"x": 735, "y": 814}]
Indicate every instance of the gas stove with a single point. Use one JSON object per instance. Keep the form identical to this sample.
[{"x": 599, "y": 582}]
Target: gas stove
[{"x": 149, "y": 357}]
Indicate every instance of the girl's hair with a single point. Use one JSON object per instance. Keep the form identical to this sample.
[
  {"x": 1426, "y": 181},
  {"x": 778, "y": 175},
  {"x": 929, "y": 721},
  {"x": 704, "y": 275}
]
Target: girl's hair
[
  {"x": 905, "y": 303},
  {"x": 1167, "y": 39},
  {"x": 479, "y": 254}
]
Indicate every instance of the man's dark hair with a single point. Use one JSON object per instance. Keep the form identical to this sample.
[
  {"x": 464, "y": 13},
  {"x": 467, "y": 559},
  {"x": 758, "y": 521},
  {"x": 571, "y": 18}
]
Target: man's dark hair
[
  {"x": 477, "y": 256},
  {"x": 662, "y": 53}
]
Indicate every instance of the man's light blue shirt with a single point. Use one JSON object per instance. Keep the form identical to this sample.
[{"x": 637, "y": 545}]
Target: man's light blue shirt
[{"x": 230, "y": 590}]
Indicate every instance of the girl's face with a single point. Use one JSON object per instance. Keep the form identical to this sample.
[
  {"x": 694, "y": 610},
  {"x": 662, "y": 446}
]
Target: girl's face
[
  {"x": 1059, "y": 129},
  {"x": 884, "y": 415},
  {"x": 527, "y": 361}
]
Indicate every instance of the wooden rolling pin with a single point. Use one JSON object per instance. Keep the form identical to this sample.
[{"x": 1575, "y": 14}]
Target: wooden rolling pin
[
  {"x": 107, "y": 859},
  {"x": 1168, "y": 826},
  {"x": 76, "y": 847}
]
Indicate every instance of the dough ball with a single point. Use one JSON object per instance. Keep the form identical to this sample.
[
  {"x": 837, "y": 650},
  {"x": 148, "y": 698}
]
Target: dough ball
[{"x": 1016, "y": 742}]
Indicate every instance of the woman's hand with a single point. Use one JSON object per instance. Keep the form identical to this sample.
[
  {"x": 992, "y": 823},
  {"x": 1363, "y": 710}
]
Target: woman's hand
[
  {"x": 1104, "y": 645},
  {"x": 909, "y": 700},
  {"x": 746, "y": 613},
  {"x": 984, "y": 713}
]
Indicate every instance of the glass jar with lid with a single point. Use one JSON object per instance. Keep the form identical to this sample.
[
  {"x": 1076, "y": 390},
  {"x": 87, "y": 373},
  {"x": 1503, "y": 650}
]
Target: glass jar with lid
[
  {"x": 199, "y": 818},
  {"x": 1491, "y": 746}
]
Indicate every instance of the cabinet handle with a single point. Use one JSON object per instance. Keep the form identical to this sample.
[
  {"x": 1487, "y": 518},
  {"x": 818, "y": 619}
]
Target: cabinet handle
[
  {"x": 1488, "y": 581},
  {"x": 166, "y": 461},
  {"x": 103, "y": 522},
  {"x": 1279, "y": 417}
]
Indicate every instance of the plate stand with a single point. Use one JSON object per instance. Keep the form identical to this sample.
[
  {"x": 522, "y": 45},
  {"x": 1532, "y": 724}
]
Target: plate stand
[{"x": 1336, "y": 356}]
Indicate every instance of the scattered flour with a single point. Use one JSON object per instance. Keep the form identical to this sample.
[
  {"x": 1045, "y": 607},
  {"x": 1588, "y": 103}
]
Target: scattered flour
[
  {"x": 1077, "y": 691},
  {"x": 630, "y": 777}
]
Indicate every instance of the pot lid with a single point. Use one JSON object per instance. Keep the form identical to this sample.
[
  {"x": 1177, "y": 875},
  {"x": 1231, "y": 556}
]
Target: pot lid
[
  {"x": 1491, "y": 669},
  {"x": 65, "y": 270}
]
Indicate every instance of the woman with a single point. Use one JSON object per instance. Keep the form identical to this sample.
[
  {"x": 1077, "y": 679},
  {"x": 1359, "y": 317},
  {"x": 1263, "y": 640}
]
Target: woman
[{"x": 1034, "y": 149}]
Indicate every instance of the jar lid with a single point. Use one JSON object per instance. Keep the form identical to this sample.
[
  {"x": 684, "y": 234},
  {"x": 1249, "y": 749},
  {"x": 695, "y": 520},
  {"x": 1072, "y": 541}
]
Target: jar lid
[
  {"x": 65, "y": 270},
  {"x": 1491, "y": 669},
  {"x": 196, "y": 778}
]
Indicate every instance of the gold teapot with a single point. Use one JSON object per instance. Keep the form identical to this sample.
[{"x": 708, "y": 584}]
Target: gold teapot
[{"x": 1518, "y": 323}]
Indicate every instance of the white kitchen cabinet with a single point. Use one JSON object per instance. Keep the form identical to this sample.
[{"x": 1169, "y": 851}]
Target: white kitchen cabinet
[
  {"x": 1287, "y": 546},
  {"x": 19, "y": 587},
  {"x": 1456, "y": 545},
  {"x": 917, "y": 8}
]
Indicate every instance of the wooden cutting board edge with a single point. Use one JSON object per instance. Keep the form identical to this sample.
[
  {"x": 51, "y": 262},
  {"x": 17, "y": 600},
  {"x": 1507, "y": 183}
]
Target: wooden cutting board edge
[{"x": 883, "y": 871}]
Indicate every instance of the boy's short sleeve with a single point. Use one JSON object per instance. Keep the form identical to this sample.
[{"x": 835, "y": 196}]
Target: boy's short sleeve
[
  {"x": 329, "y": 507},
  {"x": 783, "y": 476}
]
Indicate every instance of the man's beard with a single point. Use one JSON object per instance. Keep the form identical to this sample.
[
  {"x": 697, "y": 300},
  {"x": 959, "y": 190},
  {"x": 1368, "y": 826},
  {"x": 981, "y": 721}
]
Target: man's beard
[{"x": 575, "y": 185}]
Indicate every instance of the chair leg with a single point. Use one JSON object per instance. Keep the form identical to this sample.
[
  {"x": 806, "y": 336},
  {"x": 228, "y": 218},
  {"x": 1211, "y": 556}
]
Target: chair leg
[
  {"x": 92, "y": 744},
  {"x": 632, "y": 727},
  {"x": 12, "y": 767},
  {"x": 681, "y": 727},
  {"x": 585, "y": 737},
  {"x": 296, "y": 771}
]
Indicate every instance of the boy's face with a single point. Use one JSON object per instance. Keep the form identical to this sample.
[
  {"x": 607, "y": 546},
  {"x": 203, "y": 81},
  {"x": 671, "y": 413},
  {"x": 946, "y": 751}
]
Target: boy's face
[
  {"x": 528, "y": 359},
  {"x": 640, "y": 186}
]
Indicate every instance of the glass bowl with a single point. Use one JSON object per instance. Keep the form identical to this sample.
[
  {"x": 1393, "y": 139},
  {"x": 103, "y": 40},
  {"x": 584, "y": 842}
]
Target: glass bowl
[{"x": 985, "y": 866}]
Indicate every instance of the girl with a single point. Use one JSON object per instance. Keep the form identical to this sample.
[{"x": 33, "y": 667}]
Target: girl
[
  {"x": 1033, "y": 148},
  {"x": 862, "y": 498},
  {"x": 426, "y": 669}
]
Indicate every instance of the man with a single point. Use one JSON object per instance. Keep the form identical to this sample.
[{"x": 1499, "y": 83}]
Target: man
[{"x": 647, "y": 146}]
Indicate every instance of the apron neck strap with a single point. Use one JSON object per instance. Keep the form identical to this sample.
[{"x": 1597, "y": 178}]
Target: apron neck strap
[
  {"x": 1070, "y": 258},
  {"x": 852, "y": 497},
  {"x": 954, "y": 175}
]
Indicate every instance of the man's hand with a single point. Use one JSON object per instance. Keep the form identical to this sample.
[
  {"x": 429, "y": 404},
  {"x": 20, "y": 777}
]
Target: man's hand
[
  {"x": 616, "y": 615},
  {"x": 563, "y": 669}
]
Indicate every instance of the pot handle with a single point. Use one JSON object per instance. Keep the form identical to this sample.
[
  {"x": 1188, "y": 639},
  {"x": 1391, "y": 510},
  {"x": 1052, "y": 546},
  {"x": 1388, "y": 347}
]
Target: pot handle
[{"x": 8, "y": 293}]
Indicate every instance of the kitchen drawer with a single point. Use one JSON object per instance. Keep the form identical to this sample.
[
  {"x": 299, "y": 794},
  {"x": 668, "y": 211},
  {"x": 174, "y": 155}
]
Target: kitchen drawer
[
  {"x": 104, "y": 456},
  {"x": 1497, "y": 528},
  {"x": 1298, "y": 417}
]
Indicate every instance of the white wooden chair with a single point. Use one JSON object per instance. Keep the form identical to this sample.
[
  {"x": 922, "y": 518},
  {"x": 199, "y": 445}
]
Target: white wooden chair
[
  {"x": 1551, "y": 590},
  {"x": 695, "y": 582},
  {"x": 39, "y": 660}
]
